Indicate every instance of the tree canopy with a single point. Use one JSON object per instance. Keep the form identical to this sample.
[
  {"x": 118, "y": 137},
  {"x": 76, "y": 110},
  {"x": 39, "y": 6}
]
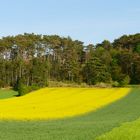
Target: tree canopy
[{"x": 35, "y": 59}]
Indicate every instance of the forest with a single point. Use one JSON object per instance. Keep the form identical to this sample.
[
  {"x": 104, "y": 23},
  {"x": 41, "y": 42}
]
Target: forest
[{"x": 30, "y": 61}]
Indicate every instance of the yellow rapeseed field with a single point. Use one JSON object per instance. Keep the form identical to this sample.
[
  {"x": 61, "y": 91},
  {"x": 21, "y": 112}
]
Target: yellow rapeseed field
[{"x": 54, "y": 103}]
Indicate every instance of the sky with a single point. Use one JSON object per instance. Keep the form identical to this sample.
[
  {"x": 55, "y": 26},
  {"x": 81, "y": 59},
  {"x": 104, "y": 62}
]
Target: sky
[{"x": 90, "y": 21}]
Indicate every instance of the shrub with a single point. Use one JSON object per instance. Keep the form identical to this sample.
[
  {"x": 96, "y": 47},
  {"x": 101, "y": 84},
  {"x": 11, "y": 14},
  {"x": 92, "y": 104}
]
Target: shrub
[
  {"x": 115, "y": 84},
  {"x": 125, "y": 81},
  {"x": 23, "y": 89}
]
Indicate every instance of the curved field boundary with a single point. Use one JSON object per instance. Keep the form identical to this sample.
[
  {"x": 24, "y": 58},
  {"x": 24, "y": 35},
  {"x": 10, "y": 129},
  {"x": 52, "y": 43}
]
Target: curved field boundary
[
  {"x": 127, "y": 131},
  {"x": 86, "y": 127},
  {"x": 55, "y": 103}
]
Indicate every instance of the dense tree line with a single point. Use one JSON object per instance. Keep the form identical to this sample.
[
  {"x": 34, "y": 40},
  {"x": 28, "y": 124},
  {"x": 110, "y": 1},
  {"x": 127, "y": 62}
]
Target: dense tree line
[{"x": 33, "y": 60}]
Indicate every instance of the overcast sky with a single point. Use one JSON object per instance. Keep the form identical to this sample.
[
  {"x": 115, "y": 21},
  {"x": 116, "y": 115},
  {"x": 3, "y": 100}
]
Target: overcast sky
[{"x": 90, "y": 21}]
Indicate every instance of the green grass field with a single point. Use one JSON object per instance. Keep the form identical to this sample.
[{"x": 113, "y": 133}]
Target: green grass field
[
  {"x": 111, "y": 120},
  {"x": 7, "y": 93},
  {"x": 127, "y": 131}
]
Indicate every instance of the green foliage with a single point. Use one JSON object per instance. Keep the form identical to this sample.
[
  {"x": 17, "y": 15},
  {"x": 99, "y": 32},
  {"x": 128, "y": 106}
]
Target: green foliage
[
  {"x": 66, "y": 84},
  {"x": 23, "y": 89},
  {"x": 37, "y": 59},
  {"x": 137, "y": 48},
  {"x": 115, "y": 84},
  {"x": 124, "y": 81},
  {"x": 95, "y": 71},
  {"x": 17, "y": 84}
]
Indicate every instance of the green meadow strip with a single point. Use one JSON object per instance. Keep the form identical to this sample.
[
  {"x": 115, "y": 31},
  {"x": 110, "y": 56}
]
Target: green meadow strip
[
  {"x": 127, "y": 131},
  {"x": 7, "y": 93},
  {"x": 86, "y": 127}
]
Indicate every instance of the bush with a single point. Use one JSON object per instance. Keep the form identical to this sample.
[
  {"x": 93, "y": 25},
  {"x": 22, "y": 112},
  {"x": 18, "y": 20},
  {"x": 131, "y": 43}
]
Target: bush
[
  {"x": 23, "y": 89},
  {"x": 34, "y": 87},
  {"x": 125, "y": 81},
  {"x": 115, "y": 84}
]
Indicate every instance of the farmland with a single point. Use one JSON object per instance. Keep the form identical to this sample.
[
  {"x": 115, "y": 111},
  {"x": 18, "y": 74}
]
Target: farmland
[
  {"x": 54, "y": 103},
  {"x": 90, "y": 124},
  {"x": 127, "y": 131},
  {"x": 7, "y": 93},
  {"x": 70, "y": 70}
]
